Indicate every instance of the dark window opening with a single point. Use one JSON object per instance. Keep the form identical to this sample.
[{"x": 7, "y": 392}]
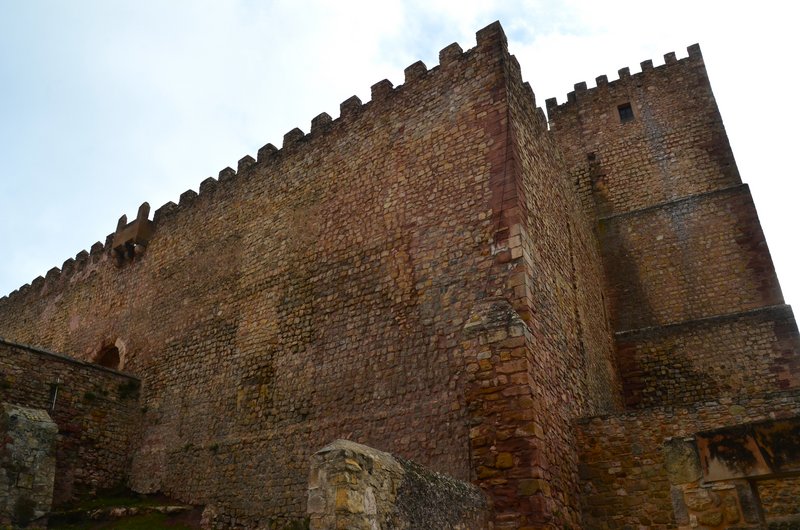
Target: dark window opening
[
  {"x": 109, "y": 357},
  {"x": 625, "y": 112}
]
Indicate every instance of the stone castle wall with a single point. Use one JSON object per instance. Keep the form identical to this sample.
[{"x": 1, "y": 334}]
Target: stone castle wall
[
  {"x": 438, "y": 275},
  {"x": 680, "y": 236},
  {"x": 96, "y": 411},
  {"x": 322, "y": 291},
  {"x": 691, "y": 258},
  {"x": 747, "y": 353},
  {"x": 626, "y": 482},
  {"x": 675, "y": 146},
  {"x": 570, "y": 348},
  {"x": 687, "y": 268},
  {"x": 702, "y": 338}
]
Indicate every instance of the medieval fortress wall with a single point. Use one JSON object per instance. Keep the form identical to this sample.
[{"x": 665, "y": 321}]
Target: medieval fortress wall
[
  {"x": 703, "y": 338},
  {"x": 441, "y": 274},
  {"x": 686, "y": 260}
]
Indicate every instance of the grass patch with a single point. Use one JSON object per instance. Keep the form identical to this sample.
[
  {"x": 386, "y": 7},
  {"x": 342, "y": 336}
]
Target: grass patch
[
  {"x": 139, "y": 511},
  {"x": 149, "y": 521},
  {"x": 126, "y": 501}
]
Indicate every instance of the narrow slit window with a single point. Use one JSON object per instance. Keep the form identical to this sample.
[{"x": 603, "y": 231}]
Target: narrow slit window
[{"x": 625, "y": 112}]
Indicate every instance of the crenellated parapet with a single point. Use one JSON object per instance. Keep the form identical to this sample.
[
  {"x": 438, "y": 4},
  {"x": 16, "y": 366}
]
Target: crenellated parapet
[
  {"x": 130, "y": 239},
  {"x": 488, "y": 39},
  {"x": 644, "y": 138},
  {"x": 57, "y": 276},
  {"x": 582, "y": 92}
]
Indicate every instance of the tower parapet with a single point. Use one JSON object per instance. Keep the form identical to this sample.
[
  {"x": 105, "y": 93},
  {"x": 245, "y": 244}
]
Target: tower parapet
[
  {"x": 645, "y": 138},
  {"x": 582, "y": 89}
]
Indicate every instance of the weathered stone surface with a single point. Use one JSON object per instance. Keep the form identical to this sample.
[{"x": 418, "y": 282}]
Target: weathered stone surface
[
  {"x": 750, "y": 450},
  {"x": 710, "y": 518},
  {"x": 682, "y": 461},
  {"x": 700, "y": 499},
  {"x": 27, "y": 464},
  {"x": 679, "y": 507},
  {"x": 96, "y": 410},
  {"x": 606, "y": 445},
  {"x": 779, "y": 498},
  {"x": 443, "y": 274},
  {"x": 355, "y": 486}
]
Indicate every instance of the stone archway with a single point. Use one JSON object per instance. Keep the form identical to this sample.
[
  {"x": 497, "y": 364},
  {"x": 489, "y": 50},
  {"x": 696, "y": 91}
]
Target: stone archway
[{"x": 111, "y": 355}]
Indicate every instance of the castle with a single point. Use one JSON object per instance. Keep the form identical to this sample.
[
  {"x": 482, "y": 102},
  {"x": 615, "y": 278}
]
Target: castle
[{"x": 579, "y": 317}]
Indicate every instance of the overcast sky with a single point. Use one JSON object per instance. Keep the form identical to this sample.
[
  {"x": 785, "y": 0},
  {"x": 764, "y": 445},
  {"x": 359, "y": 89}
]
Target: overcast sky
[{"x": 105, "y": 104}]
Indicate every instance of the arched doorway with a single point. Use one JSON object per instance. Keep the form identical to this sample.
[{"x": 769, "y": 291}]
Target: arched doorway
[{"x": 109, "y": 357}]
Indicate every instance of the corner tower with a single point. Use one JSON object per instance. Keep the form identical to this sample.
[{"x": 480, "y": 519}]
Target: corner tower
[{"x": 698, "y": 317}]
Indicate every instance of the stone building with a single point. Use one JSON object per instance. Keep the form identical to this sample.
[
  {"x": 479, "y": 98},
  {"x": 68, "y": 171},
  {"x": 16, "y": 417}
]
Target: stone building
[{"x": 578, "y": 316}]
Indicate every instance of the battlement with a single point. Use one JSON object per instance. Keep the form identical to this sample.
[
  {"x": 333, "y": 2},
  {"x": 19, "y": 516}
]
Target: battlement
[
  {"x": 621, "y": 136},
  {"x": 490, "y": 40},
  {"x": 582, "y": 91}
]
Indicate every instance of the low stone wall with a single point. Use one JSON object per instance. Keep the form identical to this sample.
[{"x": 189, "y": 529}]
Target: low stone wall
[
  {"x": 626, "y": 482},
  {"x": 27, "y": 465},
  {"x": 95, "y": 409},
  {"x": 780, "y": 499},
  {"x": 356, "y": 487}
]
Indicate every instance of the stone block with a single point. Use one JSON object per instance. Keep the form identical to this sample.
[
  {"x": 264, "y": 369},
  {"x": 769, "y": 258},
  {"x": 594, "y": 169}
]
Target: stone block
[
  {"x": 681, "y": 460},
  {"x": 355, "y": 486},
  {"x": 27, "y": 464}
]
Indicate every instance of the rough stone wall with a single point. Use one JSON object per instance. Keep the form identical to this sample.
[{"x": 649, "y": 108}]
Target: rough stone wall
[
  {"x": 674, "y": 147},
  {"x": 716, "y": 475},
  {"x": 564, "y": 283},
  {"x": 540, "y": 352},
  {"x": 357, "y": 487},
  {"x": 420, "y": 275},
  {"x": 96, "y": 411},
  {"x": 27, "y": 465},
  {"x": 780, "y": 499},
  {"x": 742, "y": 354},
  {"x": 570, "y": 359},
  {"x": 688, "y": 259},
  {"x": 320, "y": 292},
  {"x": 625, "y": 480},
  {"x": 693, "y": 298}
]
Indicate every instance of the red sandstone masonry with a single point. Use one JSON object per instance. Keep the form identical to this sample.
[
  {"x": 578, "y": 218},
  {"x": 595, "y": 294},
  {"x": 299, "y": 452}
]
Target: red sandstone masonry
[
  {"x": 622, "y": 458},
  {"x": 690, "y": 281},
  {"x": 318, "y": 293},
  {"x": 742, "y": 354},
  {"x": 522, "y": 373},
  {"x": 570, "y": 353},
  {"x": 419, "y": 275},
  {"x": 96, "y": 410},
  {"x": 695, "y": 258},
  {"x": 674, "y": 147}
]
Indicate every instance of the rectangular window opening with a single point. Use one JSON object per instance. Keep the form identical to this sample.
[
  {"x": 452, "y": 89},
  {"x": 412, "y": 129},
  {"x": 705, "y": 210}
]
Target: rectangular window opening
[{"x": 625, "y": 112}]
